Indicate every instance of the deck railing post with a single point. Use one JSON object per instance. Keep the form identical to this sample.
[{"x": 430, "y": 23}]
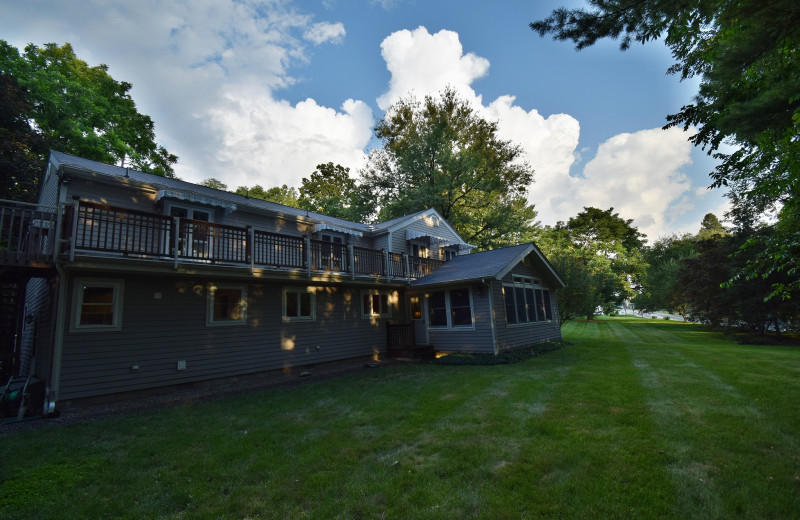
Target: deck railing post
[
  {"x": 407, "y": 266},
  {"x": 386, "y": 263},
  {"x": 176, "y": 227},
  {"x": 250, "y": 248},
  {"x": 352, "y": 258},
  {"x": 307, "y": 245},
  {"x": 76, "y": 201}
]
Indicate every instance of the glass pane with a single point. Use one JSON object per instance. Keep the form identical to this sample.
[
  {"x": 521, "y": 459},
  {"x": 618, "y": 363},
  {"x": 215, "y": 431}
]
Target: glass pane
[
  {"x": 540, "y": 304},
  {"x": 462, "y": 316},
  {"x": 511, "y": 310},
  {"x": 227, "y": 304},
  {"x": 531, "y": 305},
  {"x": 366, "y": 304},
  {"x": 438, "y": 310},
  {"x": 384, "y": 304},
  {"x": 98, "y": 295},
  {"x": 97, "y": 314},
  {"x": 376, "y": 304},
  {"x": 547, "y": 310},
  {"x": 291, "y": 304},
  {"x": 522, "y": 311},
  {"x": 305, "y": 304},
  {"x": 416, "y": 308}
]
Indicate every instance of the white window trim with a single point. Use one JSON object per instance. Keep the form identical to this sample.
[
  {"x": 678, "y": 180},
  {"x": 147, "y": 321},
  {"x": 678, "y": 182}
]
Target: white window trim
[
  {"x": 77, "y": 304},
  {"x": 310, "y": 290},
  {"x": 212, "y": 288},
  {"x": 372, "y": 314},
  {"x": 448, "y": 310}
]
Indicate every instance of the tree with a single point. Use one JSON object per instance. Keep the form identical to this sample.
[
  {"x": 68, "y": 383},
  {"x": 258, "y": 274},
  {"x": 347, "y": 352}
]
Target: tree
[
  {"x": 614, "y": 246},
  {"x": 82, "y": 110},
  {"x": 711, "y": 227},
  {"x": 22, "y": 148},
  {"x": 330, "y": 190},
  {"x": 661, "y": 288},
  {"x": 284, "y": 194},
  {"x": 745, "y": 54},
  {"x": 214, "y": 183},
  {"x": 438, "y": 153},
  {"x": 580, "y": 269}
]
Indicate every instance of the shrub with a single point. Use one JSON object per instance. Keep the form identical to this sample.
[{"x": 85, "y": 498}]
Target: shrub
[{"x": 503, "y": 358}]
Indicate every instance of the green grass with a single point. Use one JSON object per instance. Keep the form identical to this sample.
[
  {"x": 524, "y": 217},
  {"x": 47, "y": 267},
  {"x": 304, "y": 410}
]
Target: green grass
[{"x": 633, "y": 419}]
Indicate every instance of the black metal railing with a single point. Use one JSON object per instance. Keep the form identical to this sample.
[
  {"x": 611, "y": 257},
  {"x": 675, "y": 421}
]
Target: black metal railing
[{"x": 29, "y": 230}]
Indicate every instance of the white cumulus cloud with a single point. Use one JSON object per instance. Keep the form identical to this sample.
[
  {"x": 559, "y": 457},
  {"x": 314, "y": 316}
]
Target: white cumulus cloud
[
  {"x": 427, "y": 63},
  {"x": 323, "y": 32}
]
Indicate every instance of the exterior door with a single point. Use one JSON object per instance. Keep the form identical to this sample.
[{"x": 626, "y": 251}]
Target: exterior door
[{"x": 193, "y": 239}]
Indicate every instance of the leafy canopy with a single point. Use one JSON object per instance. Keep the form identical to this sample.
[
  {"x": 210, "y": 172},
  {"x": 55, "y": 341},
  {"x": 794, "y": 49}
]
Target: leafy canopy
[
  {"x": 439, "y": 153},
  {"x": 82, "y": 110},
  {"x": 330, "y": 190},
  {"x": 746, "y": 55}
]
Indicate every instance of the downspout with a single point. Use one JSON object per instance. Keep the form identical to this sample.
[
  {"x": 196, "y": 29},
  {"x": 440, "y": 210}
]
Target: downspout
[
  {"x": 490, "y": 295},
  {"x": 52, "y": 392}
]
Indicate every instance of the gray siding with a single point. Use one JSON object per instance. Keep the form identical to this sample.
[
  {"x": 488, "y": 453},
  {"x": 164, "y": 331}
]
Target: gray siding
[
  {"x": 523, "y": 335},
  {"x": 35, "y": 344},
  {"x": 48, "y": 193},
  {"x": 157, "y": 333},
  {"x": 478, "y": 339},
  {"x": 400, "y": 244}
]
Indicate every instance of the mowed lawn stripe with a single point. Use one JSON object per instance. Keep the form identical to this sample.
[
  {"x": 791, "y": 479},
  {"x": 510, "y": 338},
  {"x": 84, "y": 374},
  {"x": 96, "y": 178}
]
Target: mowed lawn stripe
[
  {"x": 714, "y": 428},
  {"x": 595, "y": 446}
]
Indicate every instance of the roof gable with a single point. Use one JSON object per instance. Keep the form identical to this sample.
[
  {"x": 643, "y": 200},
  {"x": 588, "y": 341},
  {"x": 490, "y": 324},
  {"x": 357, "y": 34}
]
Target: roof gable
[{"x": 488, "y": 265}]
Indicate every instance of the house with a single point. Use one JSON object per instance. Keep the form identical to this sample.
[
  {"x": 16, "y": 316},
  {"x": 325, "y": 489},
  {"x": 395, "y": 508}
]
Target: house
[{"x": 133, "y": 282}]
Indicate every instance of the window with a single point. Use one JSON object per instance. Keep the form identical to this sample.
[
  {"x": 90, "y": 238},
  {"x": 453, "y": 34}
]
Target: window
[
  {"x": 98, "y": 305},
  {"x": 437, "y": 309},
  {"x": 299, "y": 304},
  {"x": 526, "y": 301},
  {"x": 450, "y": 309},
  {"x": 227, "y": 304},
  {"x": 419, "y": 250},
  {"x": 460, "y": 308},
  {"x": 415, "y": 307},
  {"x": 446, "y": 254},
  {"x": 375, "y": 303},
  {"x": 333, "y": 252}
]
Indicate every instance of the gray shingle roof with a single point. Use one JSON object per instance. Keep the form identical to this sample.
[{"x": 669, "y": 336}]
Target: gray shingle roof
[
  {"x": 174, "y": 184},
  {"x": 486, "y": 264}
]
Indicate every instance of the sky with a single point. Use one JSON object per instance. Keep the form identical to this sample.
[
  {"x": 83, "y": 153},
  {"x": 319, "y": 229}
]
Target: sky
[{"x": 260, "y": 92}]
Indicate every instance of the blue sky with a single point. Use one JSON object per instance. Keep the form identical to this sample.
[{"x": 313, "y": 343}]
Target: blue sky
[{"x": 259, "y": 92}]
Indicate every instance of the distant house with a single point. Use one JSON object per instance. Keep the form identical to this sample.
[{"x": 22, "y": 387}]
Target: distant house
[{"x": 133, "y": 282}]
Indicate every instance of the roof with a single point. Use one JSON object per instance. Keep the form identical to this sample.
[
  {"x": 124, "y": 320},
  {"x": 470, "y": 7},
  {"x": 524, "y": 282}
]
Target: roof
[
  {"x": 494, "y": 264},
  {"x": 227, "y": 199}
]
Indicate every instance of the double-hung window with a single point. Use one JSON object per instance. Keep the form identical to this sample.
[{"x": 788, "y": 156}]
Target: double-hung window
[
  {"x": 375, "y": 304},
  {"x": 98, "y": 305},
  {"x": 526, "y": 301},
  {"x": 227, "y": 304},
  {"x": 299, "y": 304},
  {"x": 450, "y": 309}
]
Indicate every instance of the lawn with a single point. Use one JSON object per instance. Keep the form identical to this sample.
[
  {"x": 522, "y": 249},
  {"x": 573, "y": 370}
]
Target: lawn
[{"x": 634, "y": 419}]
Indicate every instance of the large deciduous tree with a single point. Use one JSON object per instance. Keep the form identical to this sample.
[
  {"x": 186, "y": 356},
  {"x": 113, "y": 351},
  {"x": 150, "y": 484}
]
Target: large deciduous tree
[
  {"x": 286, "y": 195},
  {"x": 331, "y": 190},
  {"x": 439, "y": 153},
  {"x": 599, "y": 255},
  {"x": 80, "y": 109},
  {"x": 745, "y": 54},
  {"x": 21, "y": 146}
]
